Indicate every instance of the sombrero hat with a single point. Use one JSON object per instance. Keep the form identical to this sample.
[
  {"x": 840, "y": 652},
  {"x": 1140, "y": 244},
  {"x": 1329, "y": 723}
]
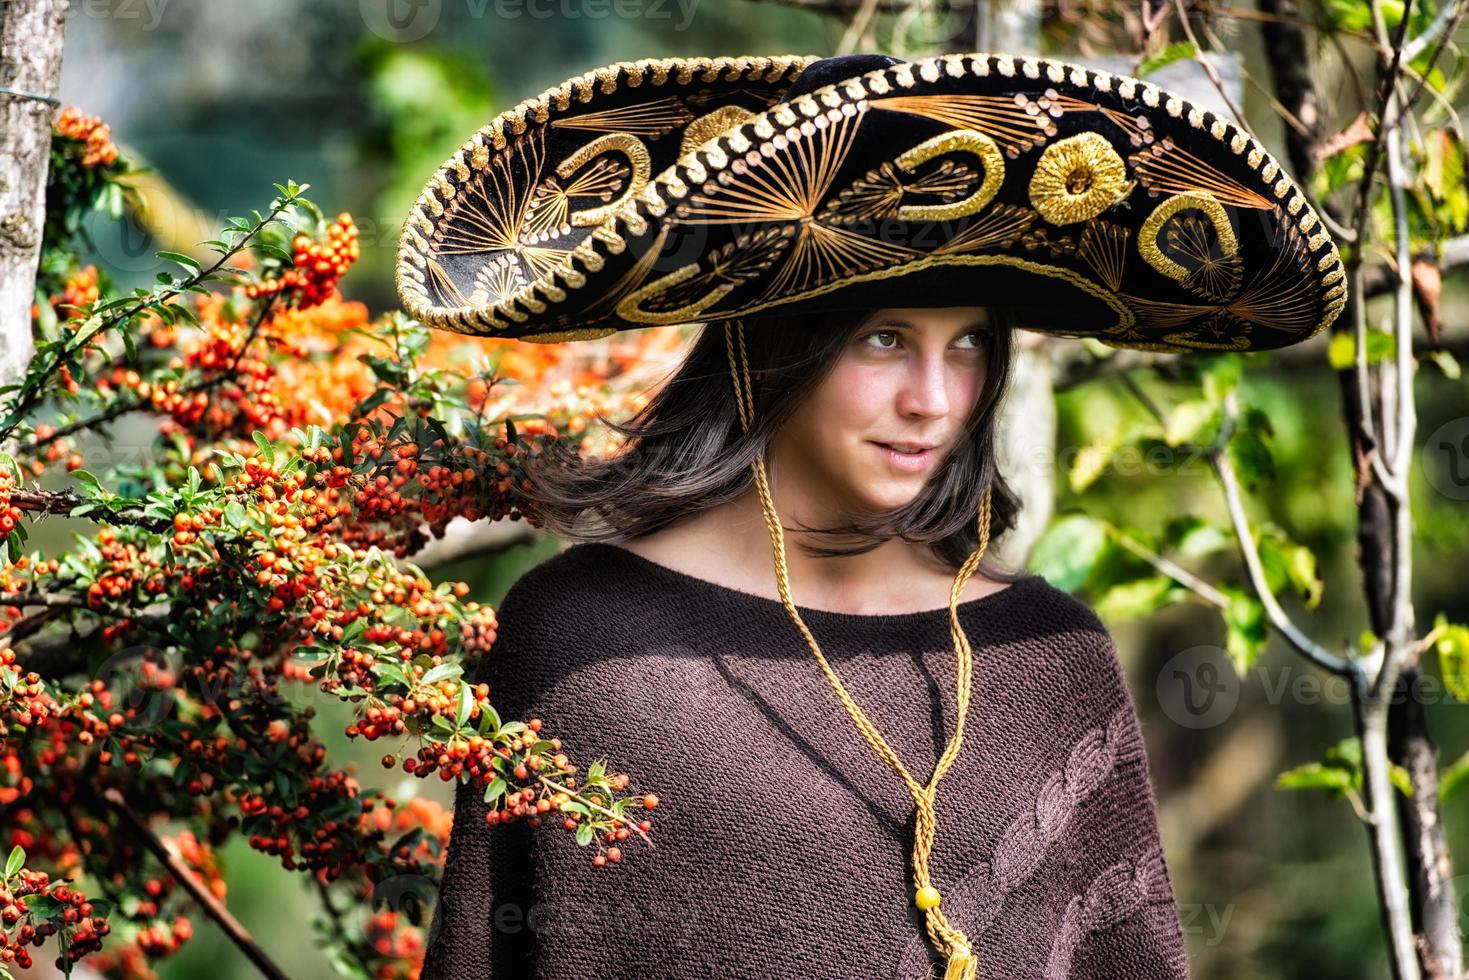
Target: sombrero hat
[{"x": 704, "y": 189}]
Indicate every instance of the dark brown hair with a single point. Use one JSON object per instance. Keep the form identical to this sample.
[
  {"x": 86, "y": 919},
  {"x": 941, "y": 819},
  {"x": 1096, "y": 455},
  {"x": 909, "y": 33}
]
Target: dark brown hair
[{"x": 686, "y": 450}]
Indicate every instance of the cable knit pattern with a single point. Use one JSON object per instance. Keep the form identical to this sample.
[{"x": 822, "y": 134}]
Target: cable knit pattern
[
  {"x": 1121, "y": 891},
  {"x": 980, "y": 896},
  {"x": 783, "y": 847}
]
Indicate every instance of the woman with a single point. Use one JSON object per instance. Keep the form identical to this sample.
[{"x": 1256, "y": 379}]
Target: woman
[
  {"x": 661, "y": 646},
  {"x": 832, "y": 221}
]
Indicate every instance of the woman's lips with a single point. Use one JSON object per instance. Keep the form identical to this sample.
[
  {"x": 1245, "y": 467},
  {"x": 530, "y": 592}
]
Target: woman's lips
[{"x": 907, "y": 462}]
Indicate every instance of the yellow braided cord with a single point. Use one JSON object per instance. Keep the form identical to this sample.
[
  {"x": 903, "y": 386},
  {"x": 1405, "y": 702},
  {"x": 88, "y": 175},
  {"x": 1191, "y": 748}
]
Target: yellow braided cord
[{"x": 962, "y": 962}]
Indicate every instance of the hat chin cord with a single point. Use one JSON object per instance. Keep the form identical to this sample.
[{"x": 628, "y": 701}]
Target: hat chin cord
[{"x": 953, "y": 944}]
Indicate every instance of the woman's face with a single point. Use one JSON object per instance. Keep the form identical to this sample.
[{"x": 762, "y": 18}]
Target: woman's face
[{"x": 906, "y": 378}]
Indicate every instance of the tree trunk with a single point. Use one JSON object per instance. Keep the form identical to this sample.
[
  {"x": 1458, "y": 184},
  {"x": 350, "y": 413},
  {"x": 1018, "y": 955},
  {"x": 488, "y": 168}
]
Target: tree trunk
[
  {"x": 30, "y": 74},
  {"x": 1434, "y": 903}
]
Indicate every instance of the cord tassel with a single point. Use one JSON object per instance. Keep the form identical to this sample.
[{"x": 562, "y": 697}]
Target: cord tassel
[{"x": 962, "y": 964}]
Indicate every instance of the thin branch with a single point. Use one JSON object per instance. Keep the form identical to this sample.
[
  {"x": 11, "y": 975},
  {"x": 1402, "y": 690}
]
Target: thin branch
[
  {"x": 1175, "y": 571},
  {"x": 1229, "y": 480},
  {"x": 1442, "y": 28},
  {"x": 1239, "y": 117},
  {"x": 63, "y": 502},
  {"x": 582, "y": 799},
  {"x": 112, "y": 800}
]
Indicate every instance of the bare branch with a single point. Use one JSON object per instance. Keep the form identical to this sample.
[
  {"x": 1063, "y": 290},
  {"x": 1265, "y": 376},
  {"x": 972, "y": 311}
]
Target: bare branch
[{"x": 1229, "y": 480}]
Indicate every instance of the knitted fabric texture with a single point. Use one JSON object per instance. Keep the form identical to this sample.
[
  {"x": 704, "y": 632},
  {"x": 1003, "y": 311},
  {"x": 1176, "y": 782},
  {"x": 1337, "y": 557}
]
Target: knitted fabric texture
[{"x": 783, "y": 847}]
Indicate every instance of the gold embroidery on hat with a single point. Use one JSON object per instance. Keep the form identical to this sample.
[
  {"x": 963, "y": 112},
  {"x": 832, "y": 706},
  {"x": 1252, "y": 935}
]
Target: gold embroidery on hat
[
  {"x": 1103, "y": 246},
  {"x": 968, "y": 141},
  {"x": 1095, "y": 290},
  {"x": 1214, "y": 272},
  {"x": 558, "y": 336},
  {"x": 710, "y": 125},
  {"x": 1078, "y": 178},
  {"x": 1166, "y": 168},
  {"x": 496, "y": 279},
  {"x": 999, "y": 117},
  {"x": 684, "y": 294},
  {"x": 604, "y": 177},
  {"x": 999, "y": 227},
  {"x": 445, "y": 284},
  {"x": 651, "y": 119},
  {"x": 879, "y": 193}
]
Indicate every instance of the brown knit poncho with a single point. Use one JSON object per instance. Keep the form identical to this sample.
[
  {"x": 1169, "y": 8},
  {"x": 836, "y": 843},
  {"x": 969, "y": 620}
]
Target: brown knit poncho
[{"x": 783, "y": 844}]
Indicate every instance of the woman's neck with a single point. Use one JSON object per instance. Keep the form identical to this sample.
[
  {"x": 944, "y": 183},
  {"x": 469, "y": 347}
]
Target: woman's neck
[{"x": 730, "y": 545}]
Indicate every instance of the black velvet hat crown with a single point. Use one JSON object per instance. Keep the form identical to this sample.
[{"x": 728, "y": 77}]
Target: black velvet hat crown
[{"x": 703, "y": 189}]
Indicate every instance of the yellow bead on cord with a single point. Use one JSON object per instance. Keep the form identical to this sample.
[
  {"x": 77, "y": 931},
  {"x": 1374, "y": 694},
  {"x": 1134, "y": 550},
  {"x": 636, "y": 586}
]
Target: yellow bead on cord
[{"x": 962, "y": 962}]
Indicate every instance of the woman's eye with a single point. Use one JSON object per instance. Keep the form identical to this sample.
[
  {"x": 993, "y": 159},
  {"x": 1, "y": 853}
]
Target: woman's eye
[
  {"x": 892, "y": 334},
  {"x": 977, "y": 339}
]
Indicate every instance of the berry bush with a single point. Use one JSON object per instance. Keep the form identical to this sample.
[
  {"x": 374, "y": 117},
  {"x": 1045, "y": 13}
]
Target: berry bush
[{"x": 258, "y": 545}]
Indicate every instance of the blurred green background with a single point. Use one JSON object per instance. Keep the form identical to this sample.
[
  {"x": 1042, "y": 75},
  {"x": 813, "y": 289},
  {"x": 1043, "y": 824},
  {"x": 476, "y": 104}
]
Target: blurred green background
[{"x": 226, "y": 98}]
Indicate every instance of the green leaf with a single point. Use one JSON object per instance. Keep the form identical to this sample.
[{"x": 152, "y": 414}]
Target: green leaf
[
  {"x": 466, "y": 703},
  {"x": 1221, "y": 375},
  {"x": 179, "y": 257},
  {"x": 443, "y": 672},
  {"x": 1194, "y": 537},
  {"x": 1452, "y": 647},
  {"x": 1316, "y": 775},
  {"x": 1342, "y": 350},
  {"x": 1139, "y": 598},
  {"x": 1288, "y": 563},
  {"x": 1187, "y": 420},
  {"x": 1090, "y": 463},
  {"x": 1177, "y": 51},
  {"x": 1068, "y": 551},
  {"x": 1246, "y": 628},
  {"x": 94, "y": 488},
  {"x": 267, "y": 451},
  {"x": 1250, "y": 450},
  {"x": 585, "y": 833},
  {"x": 1453, "y": 777},
  {"x": 16, "y": 861},
  {"x": 1447, "y": 364},
  {"x": 495, "y": 789}
]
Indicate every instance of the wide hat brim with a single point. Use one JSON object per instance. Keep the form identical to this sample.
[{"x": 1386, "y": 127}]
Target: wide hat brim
[{"x": 703, "y": 189}]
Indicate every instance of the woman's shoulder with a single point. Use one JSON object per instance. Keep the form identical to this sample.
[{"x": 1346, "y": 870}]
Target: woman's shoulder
[
  {"x": 1045, "y": 610},
  {"x": 576, "y": 583}
]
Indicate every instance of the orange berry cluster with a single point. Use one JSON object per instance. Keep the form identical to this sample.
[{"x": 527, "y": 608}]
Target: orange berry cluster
[
  {"x": 90, "y": 130},
  {"x": 300, "y": 837},
  {"x": 9, "y": 515},
  {"x": 85, "y": 931},
  {"x": 24, "y": 699},
  {"x": 159, "y": 940},
  {"x": 54, "y": 450},
  {"x": 317, "y": 265},
  {"x": 81, "y": 289},
  {"x": 405, "y": 946}
]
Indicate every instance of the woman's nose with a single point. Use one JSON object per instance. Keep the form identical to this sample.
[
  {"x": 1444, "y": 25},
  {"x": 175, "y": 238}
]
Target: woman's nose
[{"x": 926, "y": 388}]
